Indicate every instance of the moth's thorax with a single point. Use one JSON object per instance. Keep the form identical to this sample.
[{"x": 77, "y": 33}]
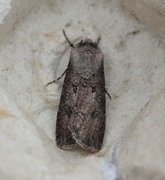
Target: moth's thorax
[{"x": 86, "y": 55}]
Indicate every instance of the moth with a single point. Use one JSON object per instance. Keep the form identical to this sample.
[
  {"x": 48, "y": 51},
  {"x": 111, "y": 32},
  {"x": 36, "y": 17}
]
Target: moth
[{"x": 82, "y": 112}]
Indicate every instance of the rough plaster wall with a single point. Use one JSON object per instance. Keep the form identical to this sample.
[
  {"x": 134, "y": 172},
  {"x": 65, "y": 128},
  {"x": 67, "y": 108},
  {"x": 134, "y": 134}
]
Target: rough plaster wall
[
  {"x": 11, "y": 12},
  {"x": 151, "y": 13},
  {"x": 35, "y": 52}
]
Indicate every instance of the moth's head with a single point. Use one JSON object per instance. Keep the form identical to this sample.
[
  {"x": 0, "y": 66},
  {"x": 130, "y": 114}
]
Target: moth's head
[{"x": 87, "y": 43}]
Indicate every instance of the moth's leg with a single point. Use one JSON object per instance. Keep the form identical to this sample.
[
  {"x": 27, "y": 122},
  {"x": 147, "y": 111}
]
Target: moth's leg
[
  {"x": 107, "y": 93},
  {"x": 54, "y": 81},
  {"x": 98, "y": 40},
  {"x": 67, "y": 39}
]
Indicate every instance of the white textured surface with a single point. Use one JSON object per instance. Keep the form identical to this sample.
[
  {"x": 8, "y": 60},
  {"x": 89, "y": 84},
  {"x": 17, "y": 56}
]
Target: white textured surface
[
  {"x": 150, "y": 13},
  {"x": 11, "y": 13},
  {"x": 5, "y": 6},
  {"x": 109, "y": 170},
  {"x": 36, "y": 53},
  {"x": 145, "y": 142}
]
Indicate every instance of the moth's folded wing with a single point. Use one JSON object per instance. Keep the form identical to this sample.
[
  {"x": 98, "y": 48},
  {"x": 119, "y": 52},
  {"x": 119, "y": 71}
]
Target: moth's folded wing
[
  {"x": 88, "y": 127},
  {"x": 64, "y": 138}
]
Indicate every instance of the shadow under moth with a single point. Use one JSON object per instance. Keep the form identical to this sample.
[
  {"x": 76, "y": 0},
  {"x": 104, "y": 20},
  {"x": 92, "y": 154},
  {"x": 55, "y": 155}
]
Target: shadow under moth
[{"x": 81, "y": 115}]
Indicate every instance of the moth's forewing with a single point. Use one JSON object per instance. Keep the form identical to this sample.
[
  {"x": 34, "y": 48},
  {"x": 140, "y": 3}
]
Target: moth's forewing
[{"x": 64, "y": 138}]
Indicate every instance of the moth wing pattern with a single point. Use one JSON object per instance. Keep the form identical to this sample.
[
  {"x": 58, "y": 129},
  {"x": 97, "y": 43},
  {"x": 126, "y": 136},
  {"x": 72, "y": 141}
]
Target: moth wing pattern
[
  {"x": 64, "y": 138},
  {"x": 81, "y": 115},
  {"x": 87, "y": 124}
]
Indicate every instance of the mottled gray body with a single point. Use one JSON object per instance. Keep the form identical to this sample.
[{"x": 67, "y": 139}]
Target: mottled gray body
[{"x": 81, "y": 115}]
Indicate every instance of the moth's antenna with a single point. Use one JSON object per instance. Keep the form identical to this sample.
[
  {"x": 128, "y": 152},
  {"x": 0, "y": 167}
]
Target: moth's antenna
[
  {"x": 98, "y": 40},
  {"x": 67, "y": 39}
]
